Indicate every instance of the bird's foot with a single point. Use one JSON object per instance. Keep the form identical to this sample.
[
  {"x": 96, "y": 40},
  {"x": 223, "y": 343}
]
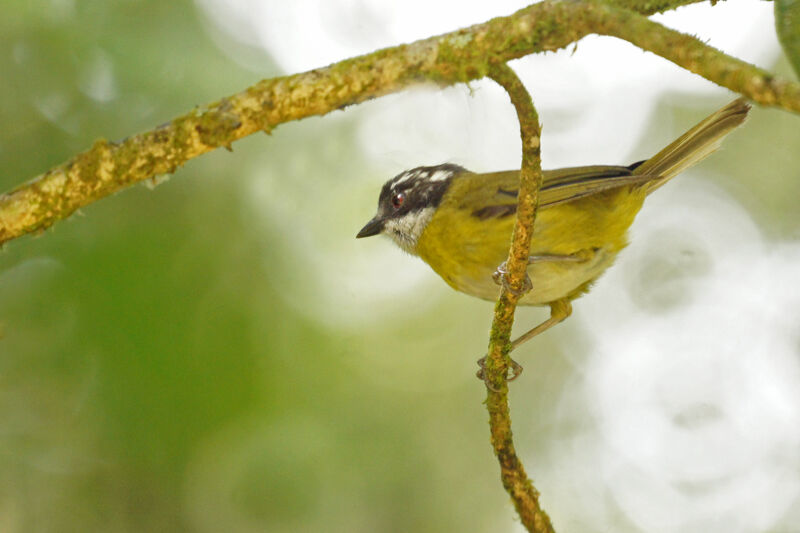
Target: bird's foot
[
  {"x": 500, "y": 277},
  {"x": 513, "y": 372}
]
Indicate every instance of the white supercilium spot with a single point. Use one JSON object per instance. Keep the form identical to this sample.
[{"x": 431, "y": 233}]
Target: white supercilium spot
[
  {"x": 441, "y": 175},
  {"x": 405, "y": 176}
]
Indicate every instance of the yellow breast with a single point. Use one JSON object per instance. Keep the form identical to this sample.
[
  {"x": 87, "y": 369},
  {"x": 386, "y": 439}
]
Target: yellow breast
[{"x": 465, "y": 249}]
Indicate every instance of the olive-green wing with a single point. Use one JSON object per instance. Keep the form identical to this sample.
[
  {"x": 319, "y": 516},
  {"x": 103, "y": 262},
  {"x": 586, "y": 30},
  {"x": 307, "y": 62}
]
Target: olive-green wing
[{"x": 495, "y": 194}]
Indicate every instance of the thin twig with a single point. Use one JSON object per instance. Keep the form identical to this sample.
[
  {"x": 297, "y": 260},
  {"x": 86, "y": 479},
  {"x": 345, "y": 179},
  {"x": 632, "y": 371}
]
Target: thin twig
[
  {"x": 512, "y": 473},
  {"x": 459, "y": 56}
]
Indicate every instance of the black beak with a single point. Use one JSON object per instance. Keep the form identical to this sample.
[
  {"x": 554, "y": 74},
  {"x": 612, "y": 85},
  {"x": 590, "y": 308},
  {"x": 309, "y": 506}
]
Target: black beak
[{"x": 373, "y": 227}]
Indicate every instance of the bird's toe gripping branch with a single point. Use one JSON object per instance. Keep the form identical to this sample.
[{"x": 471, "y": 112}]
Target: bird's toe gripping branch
[{"x": 500, "y": 277}]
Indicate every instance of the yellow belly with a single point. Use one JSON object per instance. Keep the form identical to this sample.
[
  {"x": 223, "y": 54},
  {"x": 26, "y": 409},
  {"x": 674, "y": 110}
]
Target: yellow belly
[{"x": 465, "y": 250}]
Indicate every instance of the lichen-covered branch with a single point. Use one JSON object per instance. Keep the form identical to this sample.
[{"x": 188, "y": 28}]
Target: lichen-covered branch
[
  {"x": 512, "y": 473},
  {"x": 454, "y": 57},
  {"x": 650, "y": 7}
]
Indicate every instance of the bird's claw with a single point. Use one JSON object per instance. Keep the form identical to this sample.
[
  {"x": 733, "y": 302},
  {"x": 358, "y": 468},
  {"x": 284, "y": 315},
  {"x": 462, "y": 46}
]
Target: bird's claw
[
  {"x": 500, "y": 278},
  {"x": 513, "y": 372}
]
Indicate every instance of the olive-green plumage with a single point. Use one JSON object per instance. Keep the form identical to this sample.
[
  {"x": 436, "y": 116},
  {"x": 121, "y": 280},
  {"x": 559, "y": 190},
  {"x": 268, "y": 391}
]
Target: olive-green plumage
[
  {"x": 460, "y": 222},
  {"x": 466, "y": 249}
]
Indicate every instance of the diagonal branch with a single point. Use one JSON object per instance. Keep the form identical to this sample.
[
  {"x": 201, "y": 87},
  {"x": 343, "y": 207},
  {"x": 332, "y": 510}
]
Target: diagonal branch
[
  {"x": 459, "y": 56},
  {"x": 512, "y": 473}
]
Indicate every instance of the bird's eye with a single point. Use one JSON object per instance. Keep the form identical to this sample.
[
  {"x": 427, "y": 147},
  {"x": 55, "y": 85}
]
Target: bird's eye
[{"x": 398, "y": 199}]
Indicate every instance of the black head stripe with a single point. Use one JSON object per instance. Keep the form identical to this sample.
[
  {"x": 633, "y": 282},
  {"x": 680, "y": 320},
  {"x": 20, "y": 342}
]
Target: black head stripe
[{"x": 422, "y": 186}]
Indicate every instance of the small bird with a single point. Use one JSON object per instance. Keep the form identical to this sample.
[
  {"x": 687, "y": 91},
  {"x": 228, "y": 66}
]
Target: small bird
[{"x": 460, "y": 222}]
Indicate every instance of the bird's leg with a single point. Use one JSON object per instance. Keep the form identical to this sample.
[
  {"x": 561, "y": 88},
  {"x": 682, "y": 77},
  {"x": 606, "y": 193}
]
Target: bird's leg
[
  {"x": 499, "y": 277},
  {"x": 559, "y": 311}
]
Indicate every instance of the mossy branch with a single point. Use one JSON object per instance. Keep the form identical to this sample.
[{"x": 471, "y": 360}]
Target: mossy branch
[
  {"x": 516, "y": 482},
  {"x": 459, "y": 56}
]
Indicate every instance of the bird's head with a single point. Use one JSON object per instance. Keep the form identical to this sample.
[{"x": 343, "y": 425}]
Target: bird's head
[{"x": 407, "y": 203}]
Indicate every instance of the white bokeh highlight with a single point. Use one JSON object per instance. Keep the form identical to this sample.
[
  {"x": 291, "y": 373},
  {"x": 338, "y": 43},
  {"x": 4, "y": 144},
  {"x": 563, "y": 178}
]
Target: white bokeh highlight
[{"x": 694, "y": 406}]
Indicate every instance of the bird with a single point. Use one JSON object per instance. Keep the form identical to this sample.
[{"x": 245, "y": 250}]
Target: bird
[{"x": 460, "y": 222}]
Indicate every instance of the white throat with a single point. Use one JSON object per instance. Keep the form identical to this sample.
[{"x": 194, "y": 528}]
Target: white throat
[{"x": 406, "y": 230}]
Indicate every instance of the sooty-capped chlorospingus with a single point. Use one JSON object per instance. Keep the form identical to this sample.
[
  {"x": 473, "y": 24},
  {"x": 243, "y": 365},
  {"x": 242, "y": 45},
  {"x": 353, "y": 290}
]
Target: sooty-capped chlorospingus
[{"x": 460, "y": 222}]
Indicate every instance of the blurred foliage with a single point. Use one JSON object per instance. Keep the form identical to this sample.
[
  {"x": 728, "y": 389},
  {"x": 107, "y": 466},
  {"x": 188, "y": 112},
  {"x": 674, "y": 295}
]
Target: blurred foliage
[
  {"x": 787, "y": 25},
  {"x": 157, "y": 372},
  {"x": 151, "y": 377}
]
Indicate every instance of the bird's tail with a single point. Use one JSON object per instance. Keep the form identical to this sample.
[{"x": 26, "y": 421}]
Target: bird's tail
[{"x": 694, "y": 145}]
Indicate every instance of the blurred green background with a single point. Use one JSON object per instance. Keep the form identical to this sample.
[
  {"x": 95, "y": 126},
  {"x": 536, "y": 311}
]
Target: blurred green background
[
  {"x": 160, "y": 369},
  {"x": 152, "y": 375}
]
